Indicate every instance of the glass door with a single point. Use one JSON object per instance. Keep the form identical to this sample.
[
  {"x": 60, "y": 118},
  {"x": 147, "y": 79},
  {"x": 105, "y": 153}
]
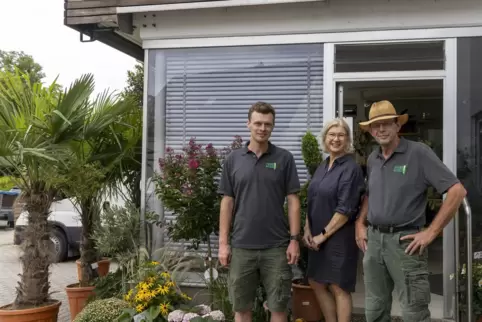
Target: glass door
[
  {"x": 422, "y": 100},
  {"x": 417, "y": 78},
  {"x": 469, "y": 163}
]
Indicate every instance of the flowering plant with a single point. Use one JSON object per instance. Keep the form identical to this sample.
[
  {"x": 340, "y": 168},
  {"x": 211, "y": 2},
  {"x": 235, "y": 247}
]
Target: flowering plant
[
  {"x": 155, "y": 295},
  {"x": 200, "y": 313},
  {"x": 476, "y": 289},
  {"x": 187, "y": 186}
]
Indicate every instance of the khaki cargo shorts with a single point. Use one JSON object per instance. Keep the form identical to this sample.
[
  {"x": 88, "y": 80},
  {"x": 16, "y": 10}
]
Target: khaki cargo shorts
[{"x": 249, "y": 268}]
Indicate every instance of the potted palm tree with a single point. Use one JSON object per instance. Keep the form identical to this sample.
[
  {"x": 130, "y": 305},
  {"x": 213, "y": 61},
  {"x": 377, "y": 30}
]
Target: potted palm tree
[
  {"x": 37, "y": 123},
  {"x": 95, "y": 168}
]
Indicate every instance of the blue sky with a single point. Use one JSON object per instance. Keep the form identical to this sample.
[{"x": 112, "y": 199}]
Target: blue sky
[{"x": 36, "y": 27}]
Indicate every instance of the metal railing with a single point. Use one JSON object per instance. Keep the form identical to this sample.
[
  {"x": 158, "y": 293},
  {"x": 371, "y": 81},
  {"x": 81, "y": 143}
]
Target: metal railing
[{"x": 468, "y": 212}]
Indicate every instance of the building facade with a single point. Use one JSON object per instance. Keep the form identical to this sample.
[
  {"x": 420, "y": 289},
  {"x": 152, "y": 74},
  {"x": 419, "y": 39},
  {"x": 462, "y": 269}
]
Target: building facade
[{"x": 207, "y": 62}]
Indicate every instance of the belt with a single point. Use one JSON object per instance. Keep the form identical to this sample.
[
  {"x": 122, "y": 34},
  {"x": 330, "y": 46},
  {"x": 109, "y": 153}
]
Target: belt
[{"x": 393, "y": 229}]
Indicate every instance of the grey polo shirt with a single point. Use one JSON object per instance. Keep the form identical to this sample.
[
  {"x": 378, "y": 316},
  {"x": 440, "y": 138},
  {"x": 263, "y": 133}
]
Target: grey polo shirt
[
  {"x": 259, "y": 187},
  {"x": 397, "y": 186}
]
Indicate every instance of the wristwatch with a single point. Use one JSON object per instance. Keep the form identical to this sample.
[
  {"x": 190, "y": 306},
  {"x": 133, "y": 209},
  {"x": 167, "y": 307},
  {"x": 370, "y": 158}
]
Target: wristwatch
[{"x": 295, "y": 237}]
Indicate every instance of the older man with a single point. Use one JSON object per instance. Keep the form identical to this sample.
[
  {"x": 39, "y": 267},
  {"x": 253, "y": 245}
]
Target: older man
[{"x": 389, "y": 229}]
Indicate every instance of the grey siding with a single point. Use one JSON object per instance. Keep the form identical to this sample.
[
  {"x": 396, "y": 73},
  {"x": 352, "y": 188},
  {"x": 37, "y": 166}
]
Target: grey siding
[{"x": 209, "y": 92}]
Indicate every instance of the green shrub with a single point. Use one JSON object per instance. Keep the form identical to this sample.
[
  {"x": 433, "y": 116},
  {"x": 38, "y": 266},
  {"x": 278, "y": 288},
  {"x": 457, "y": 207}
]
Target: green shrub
[{"x": 106, "y": 310}]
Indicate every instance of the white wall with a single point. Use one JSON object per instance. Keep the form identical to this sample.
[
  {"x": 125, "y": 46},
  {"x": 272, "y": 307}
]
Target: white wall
[{"x": 311, "y": 17}]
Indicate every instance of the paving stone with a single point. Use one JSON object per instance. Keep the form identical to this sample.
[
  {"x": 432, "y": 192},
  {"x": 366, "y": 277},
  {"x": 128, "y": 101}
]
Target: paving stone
[{"x": 62, "y": 274}]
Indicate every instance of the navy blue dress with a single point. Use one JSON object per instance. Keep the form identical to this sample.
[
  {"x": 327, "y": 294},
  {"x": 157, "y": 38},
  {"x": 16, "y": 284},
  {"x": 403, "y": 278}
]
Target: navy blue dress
[{"x": 338, "y": 189}]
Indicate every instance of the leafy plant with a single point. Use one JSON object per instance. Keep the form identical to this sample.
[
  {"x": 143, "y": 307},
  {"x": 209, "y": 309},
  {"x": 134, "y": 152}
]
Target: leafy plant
[
  {"x": 37, "y": 125},
  {"x": 105, "y": 310},
  {"x": 187, "y": 185},
  {"x": 476, "y": 289},
  {"x": 155, "y": 290},
  {"x": 117, "y": 234},
  {"x": 107, "y": 139},
  {"x": 310, "y": 149},
  {"x": 108, "y": 286},
  {"x": 6, "y": 183}
]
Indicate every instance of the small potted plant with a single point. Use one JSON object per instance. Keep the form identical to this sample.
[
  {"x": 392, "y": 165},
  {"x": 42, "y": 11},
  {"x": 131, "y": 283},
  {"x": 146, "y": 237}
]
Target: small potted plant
[
  {"x": 103, "y": 310},
  {"x": 305, "y": 305}
]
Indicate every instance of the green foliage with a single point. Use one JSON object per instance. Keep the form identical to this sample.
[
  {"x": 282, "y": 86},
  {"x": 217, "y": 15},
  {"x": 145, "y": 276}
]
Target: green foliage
[
  {"x": 310, "y": 150},
  {"x": 105, "y": 310},
  {"x": 117, "y": 234},
  {"x": 188, "y": 187},
  {"x": 37, "y": 124},
  {"x": 135, "y": 84},
  {"x": 476, "y": 289},
  {"x": 312, "y": 157},
  {"x": 6, "y": 183},
  {"x": 12, "y": 60},
  {"x": 156, "y": 294},
  {"x": 218, "y": 290},
  {"x": 108, "y": 286}
]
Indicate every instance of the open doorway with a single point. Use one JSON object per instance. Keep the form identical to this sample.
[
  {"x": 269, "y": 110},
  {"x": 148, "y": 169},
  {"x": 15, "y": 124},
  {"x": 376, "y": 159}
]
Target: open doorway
[{"x": 422, "y": 100}]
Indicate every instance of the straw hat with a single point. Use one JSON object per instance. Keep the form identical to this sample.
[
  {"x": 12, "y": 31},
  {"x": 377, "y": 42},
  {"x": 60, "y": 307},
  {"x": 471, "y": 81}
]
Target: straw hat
[{"x": 382, "y": 110}]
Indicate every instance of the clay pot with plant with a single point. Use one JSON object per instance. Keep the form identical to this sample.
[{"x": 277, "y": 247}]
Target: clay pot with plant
[
  {"x": 305, "y": 305},
  {"x": 37, "y": 124},
  {"x": 94, "y": 170}
]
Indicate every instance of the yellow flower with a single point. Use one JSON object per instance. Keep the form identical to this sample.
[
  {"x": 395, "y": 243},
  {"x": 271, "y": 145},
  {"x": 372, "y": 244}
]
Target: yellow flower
[
  {"x": 154, "y": 263},
  {"x": 170, "y": 284},
  {"x": 141, "y": 296},
  {"x": 165, "y": 275},
  {"x": 185, "y": 296},
  {"x": 163, "y": 289},
  {"x": 140, "y": 308},
  {"x": 128, "y": 296},
  {"x": 480, "y": 283},
  {"x": 164, "y": 308}
]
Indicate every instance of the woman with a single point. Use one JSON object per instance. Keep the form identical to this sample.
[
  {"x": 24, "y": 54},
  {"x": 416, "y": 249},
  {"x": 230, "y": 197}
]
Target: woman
[{"x": 334, "y": 196}]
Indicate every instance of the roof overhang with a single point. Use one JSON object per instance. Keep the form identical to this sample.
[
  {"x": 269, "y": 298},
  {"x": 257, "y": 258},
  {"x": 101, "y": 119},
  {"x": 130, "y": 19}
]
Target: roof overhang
[
  {"x": 189, "y": 5},
  {"x": 98, "y": 21}
]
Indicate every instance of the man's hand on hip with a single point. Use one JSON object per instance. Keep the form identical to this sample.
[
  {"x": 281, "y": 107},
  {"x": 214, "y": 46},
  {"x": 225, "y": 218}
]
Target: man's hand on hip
[
  {"x": 293, "y": 252},
  {"x": 420, "y": 241},
  {"x": 224, "y": 254}
]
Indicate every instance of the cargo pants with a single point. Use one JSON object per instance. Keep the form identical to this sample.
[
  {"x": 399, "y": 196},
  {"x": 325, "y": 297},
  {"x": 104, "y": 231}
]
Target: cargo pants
[{"x": 386, "y": 266}]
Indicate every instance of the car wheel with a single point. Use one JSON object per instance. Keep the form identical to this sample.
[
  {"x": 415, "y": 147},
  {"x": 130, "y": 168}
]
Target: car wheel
[{"x": 59, "y": 245}]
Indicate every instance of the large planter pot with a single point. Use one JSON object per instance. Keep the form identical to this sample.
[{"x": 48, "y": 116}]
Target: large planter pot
[
  {"x": 77, "y": 297},
  {"x": 47, "y": 313},
  {"x": 304, "y": 304},
  {"x": 102, "y": 269}
]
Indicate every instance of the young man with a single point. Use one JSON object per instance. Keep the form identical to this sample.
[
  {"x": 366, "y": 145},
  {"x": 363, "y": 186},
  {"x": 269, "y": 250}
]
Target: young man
[
  {"x": 394, "y": 244},
  {"x": 255, "y": 181}
]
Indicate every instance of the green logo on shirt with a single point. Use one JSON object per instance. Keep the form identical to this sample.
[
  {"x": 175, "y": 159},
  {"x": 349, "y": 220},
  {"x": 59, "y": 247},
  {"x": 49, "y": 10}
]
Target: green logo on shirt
[
  {"x": 271, "y": 165},
  {"x": 400, "y": 169}
]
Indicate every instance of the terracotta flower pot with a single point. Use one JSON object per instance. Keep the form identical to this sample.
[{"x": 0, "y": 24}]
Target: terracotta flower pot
[
  {"x": 305, "y": 306},
  {"x": 102, "y": 270},
  {"x": 47, "y": 313},
  {"x": 77, "y": 297}
]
